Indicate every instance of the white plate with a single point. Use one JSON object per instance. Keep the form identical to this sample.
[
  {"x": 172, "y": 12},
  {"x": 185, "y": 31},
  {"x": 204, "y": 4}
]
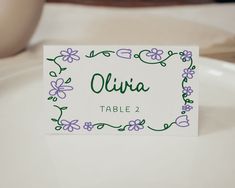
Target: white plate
[{"x": 29, "y": 158}]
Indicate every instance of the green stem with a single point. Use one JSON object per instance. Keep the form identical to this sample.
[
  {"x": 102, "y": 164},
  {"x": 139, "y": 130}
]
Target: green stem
[
  {"x": 54, "y": 60},
  {"x": 101, "y": 125},
  {"x": 92, "y": 54},
  {"x": 163, "y": 129},
  {"x": 61, "y": 113}
]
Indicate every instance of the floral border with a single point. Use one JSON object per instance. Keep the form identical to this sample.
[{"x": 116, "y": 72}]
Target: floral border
[{"x": 61, "y": 87}]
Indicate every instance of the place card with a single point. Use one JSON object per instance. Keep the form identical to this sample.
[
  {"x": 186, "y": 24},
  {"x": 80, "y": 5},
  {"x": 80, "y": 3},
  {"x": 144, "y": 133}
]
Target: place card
[{"x": 124, "y": 90}]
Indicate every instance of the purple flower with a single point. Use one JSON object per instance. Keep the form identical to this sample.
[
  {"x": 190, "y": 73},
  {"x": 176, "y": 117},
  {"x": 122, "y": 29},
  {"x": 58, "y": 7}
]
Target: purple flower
[
  {"x": 187, "y": 107},
  {"x": 88, "y": 126},
  {"x": 69, "y": 55},
  {"x": 186, "y": 55},
  {"x": 135, "y": 125},
  {"x": 187, "y": 90},
  {"x": 58, "y": 88},
  {"x": 155, "y": 54},
  {"x": 182, "y": 121},
  {"x": 188, "y": 73},
  {"x": 124, "y": 53},
  {"x": 70, "y": 125}
]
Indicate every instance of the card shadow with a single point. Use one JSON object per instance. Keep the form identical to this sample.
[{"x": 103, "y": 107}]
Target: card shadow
[{"x": 215, "y": 119}]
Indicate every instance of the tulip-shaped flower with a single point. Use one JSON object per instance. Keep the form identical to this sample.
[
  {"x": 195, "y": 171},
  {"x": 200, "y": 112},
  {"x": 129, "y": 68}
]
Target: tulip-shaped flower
[
  {"x": 182, "y": 121},
  {"x": 124, "y": 53}
]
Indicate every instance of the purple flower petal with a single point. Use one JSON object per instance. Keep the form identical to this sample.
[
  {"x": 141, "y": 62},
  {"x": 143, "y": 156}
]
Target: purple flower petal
[
  {"x": 150, "y": 54},
  {"x": 65, "y": 58},
  {"x": 140, "y": 126},
  {"x": 53, "y": 84},
  {"x": 158, "y": 57},
  {"x": 70, "y": 59},
  {"x": 154, "y": 50},
  {"x": 66, "y": 127},
  {"x": 137, "y": 121},
  {"x": 66, "y": 88},
  {"x": 132, "y": 123},
  {"x": 74, "y": 52},
  {"x": 53, "y": 92},
  {"x": 65, "y": 122},
  {"x": 63, "y": 53},
  {"x": 153, "y": 57},
  {"x": 69, "y": 50},
  {"x": 61, "y": 94},
  {"x": 160, "y": 52},
  {"x": 75, "y": 57},
  {"x": 136, "y": 128},
  {"x": 59, "y": 82},
  {"x": 70, "y": 129},
  {"x": 75, "y": 126},
  {"x": 131, "y": 127}
]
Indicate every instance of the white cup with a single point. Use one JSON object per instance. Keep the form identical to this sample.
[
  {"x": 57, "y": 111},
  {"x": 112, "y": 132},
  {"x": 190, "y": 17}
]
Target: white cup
[{"x": 18, "y": 20}]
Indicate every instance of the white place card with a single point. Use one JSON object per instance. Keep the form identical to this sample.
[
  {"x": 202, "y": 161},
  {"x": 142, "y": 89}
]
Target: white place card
[{"x": 123, "y": 90}]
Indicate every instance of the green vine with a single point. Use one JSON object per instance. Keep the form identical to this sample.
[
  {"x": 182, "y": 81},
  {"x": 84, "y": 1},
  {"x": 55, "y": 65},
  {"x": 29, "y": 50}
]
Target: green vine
[
  {"x": 165, "y": 127},
  {"x": 106, "y": 53},
  {"x": 61, "y": 69},
  {"x": 59, "y": 125}
]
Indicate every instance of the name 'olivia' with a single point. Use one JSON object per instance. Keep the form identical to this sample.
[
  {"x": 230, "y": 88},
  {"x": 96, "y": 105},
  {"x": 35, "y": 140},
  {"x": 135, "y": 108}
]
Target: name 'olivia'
[{"x": 99, "y": 83}]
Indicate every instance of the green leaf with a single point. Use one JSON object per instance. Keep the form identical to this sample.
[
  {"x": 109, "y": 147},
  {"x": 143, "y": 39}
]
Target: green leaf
[
  {"x": 121, "y": 129},
  {"x": 64, "y": 108},
  {"x": 63, "y": 69},
  {"x": 54, "y": 99},
  {"x": 49, "y": 98},
  {"x": 166, "y": 126},
  {"x": 58, "y": 128},
  {"x": 185, "y": 79},
  {"x": 52, "y": 74},
  {"x": 100, "y": 126},
  {"x": 189, "y": 101},
  {"x": 92, "y": 53},
  {"x": 106, "y": 54},
  {"x": 136, "y": 56},
  {"x": 170, "y": 52},
  {"x": 163, "y": 64},
  {"x": 142, "y": 122},
  {"x": 50, "y": 59},
  {"x": 68, "y": 81},
  {"x": 53, "y": 119}
]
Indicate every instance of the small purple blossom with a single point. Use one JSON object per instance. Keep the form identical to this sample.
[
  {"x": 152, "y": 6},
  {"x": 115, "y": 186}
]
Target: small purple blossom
[
  {"x": 186, "y": 55},
  {"x": 187, "y": 107},
  {"x": 188, "y": 73},
  {"x": 135, "y": 125},
  {"x": 70, "y": 125},
  {"x": 155, "y": 54},
  {"x": 124, "y": 53},
  {"x": 182, "y": 121},
  {"x": 187, "y": 90},
  {"x": 58, "y": 88},
  {"x": 88, "y": 126},
  {"x": 69, "y": 55}
]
